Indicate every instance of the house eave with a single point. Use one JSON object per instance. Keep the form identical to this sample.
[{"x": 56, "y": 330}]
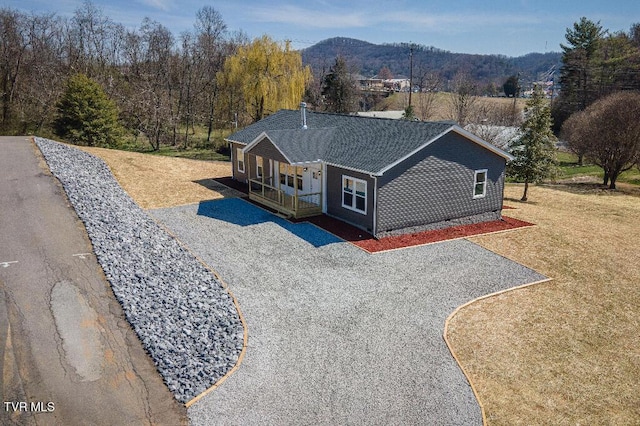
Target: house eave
[
  {"x": 482, "y": 142},
  {"x": 259, "y": 139},
  {"x": 459, "y": 130},
  {"x": 234, "y": 141},
  {"x": 353, "y": 169}
]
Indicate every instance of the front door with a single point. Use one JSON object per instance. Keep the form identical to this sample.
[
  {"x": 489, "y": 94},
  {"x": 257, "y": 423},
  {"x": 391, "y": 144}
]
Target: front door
[{"x": 314, "y": 179}]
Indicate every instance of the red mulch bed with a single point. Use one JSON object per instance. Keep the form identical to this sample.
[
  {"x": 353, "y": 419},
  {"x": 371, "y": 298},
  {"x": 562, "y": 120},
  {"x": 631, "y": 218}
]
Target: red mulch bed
[
  {"x": 451, "y": 233},
  {"x": 366, "y": 241}
]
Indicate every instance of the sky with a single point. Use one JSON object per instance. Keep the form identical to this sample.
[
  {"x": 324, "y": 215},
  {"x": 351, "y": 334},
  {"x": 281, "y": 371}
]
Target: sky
[{"x": 505, "y": 27}]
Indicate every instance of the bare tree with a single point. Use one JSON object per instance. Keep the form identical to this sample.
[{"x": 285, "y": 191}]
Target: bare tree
[
  {"x": 230, "y": 101},
  {"x": 571, "y": 132},
  {"x": 46, "y": 41},
  {"x": 149, "y": 96},
  {"x": 95, "y": 41},
  {"x": 211, "y": 52},
  {"x": 463, "y": 99},
  {"x": 14, "y": 43},
  {"x": 428, "y": 83},
  {"x": 608, "y": 132}
]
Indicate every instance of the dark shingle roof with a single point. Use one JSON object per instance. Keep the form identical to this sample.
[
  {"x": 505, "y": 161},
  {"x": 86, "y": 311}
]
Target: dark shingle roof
[
  {"x": 360, "y": 143},
  {"x": 300, "y": 145}
]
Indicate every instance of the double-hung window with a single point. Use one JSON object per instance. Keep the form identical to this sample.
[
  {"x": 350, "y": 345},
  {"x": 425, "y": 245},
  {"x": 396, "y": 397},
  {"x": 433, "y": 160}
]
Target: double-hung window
[
  {"x": 240, "y": 159},
  {"x": 480, "y": 183},
  {"x": 354, "y": 194},
  {"x": 259, "y": 168}
]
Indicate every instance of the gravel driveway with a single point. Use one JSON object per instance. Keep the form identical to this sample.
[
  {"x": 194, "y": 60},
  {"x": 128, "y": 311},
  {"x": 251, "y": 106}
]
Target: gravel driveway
[{"x": 336, "y": 335}]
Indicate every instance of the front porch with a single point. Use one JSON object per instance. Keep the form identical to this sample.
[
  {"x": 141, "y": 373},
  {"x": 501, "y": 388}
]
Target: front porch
[{"x": 292, "y": 205}]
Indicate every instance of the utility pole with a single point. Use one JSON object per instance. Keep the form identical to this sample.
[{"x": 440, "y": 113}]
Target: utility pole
[{"x": 410, "y": 73}]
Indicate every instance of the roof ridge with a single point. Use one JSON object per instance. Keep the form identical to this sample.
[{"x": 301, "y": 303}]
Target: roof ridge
[{"x": 378, "y": 119}]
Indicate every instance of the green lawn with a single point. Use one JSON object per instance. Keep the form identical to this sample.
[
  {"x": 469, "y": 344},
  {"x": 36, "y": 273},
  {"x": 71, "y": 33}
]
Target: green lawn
[
  {"x": 196, "y": 153},
  {"x": 198, "y": 148},
  {"x": 568, "y": 163}
]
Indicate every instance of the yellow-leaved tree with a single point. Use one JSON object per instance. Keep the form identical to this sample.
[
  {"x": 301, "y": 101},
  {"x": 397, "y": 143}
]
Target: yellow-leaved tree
[{"x": 267, "y": 75}]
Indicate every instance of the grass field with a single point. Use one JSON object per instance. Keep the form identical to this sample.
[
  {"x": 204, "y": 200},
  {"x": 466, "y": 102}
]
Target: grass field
[
  {"x": 441, "y": 108},
  {"x": 155, "y": 181},
  {"x": 566, "y": 351},
  {"x": 197, "y": 147},
  {"x": 570, "y": 169},
  {"x": 562, "y": 352}
]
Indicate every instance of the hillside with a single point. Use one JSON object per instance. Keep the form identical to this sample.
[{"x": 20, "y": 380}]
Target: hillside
[{"x": 368, "y": 58}]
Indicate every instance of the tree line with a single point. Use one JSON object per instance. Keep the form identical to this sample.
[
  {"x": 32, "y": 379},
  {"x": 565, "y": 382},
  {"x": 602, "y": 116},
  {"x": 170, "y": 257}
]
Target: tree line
[
  {"x": 162, "y": 86},
  {"x": 599, "y": 104}
]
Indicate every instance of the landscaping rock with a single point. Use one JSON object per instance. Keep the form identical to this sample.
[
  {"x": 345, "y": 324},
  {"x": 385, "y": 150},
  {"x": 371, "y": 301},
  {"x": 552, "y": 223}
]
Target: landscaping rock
[{"x": 184, "y": 317}]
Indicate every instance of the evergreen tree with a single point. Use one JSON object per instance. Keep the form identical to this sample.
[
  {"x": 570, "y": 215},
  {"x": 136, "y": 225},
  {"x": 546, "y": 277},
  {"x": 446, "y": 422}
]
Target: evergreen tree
[
  {"x": 578, "y": 82},
  {"x": 339, "y": 88},
  {"x": 511, "y": 87},
  {"x": 409, "y": 113},
  {"x": 86, "y": 115},
  {"x": 578, "y": 59},
  {"x": 534, "y": 150}
]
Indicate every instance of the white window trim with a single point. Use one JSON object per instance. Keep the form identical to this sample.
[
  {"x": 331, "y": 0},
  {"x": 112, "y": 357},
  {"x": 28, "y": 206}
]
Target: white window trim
[
  {"x": 259, "y": 165},
  {"x": 484, "y": 184},
  {"x": 353, "y": 199},
  {"x": 240, "y": 159}
]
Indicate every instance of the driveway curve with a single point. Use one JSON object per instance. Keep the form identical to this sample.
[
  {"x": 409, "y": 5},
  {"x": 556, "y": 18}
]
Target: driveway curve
[{"x": 336, "y": 335}]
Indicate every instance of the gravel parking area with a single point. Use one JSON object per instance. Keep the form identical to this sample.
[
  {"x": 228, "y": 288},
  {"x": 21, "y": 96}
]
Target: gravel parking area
[{"x": 336, "y": 335}]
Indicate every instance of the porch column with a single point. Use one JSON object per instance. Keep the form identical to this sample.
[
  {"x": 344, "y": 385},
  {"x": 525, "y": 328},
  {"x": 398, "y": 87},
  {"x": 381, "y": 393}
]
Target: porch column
[
  {"x": 262, "y": 177},
  {"x": 295, "y": 189},
  {"x": 276, "y": 165}
]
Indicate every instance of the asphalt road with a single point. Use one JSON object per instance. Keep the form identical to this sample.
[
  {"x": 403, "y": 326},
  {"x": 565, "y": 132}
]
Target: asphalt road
[{"x": 68, "y": 355}]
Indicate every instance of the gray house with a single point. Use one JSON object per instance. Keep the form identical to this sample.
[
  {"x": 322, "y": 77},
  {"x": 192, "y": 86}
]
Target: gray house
[{"x": 384, "y": 176}]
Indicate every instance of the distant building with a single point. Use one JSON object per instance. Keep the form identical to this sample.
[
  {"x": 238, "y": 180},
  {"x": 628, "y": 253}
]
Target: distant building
[{"x": 384, "y": 85}]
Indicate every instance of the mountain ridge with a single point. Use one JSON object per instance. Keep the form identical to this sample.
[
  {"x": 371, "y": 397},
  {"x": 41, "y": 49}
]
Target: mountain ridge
[{"x": 368, "y": 59}]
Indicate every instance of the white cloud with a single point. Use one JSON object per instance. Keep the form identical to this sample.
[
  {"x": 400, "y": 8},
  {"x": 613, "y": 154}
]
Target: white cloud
[
  {"x": 164, "y": 5},
  {"x": 458, "y": 22},
  {"x": 304, "y": 17},
  {"x": 332, "y": 17}
]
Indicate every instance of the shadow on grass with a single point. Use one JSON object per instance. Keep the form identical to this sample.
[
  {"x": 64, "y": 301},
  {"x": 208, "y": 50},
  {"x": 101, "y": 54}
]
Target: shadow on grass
[
  {"x": 622, "y": 188},
  {"x": 213, "y": 184},
  {"x": 519, "y": 201},
  {"x": 243, "y": 213}
]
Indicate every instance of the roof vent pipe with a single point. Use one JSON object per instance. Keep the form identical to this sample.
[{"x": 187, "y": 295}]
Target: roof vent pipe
[{"x": 303, "y": 111}]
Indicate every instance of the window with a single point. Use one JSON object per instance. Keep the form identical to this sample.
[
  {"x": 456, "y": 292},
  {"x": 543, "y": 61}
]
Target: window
[
  {"x": 259, "y": 169},
  {"x": 299, "y": 181},
  {"x": 480, "y": 184},
  {"x": 289, "y": 176},
  {"x": 240, "y": 159},
  {"x": 354, "y": 194}
]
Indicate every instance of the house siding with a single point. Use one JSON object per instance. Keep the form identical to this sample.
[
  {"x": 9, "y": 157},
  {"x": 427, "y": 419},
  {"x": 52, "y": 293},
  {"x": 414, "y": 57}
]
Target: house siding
[
  {"x": 434, "y": 188},
  {"x": 266, "y": 149},
  {"x": 237, "y": 174},
  {"x": 334, "y": 198},
  {"x": 251, "y": 170}
]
